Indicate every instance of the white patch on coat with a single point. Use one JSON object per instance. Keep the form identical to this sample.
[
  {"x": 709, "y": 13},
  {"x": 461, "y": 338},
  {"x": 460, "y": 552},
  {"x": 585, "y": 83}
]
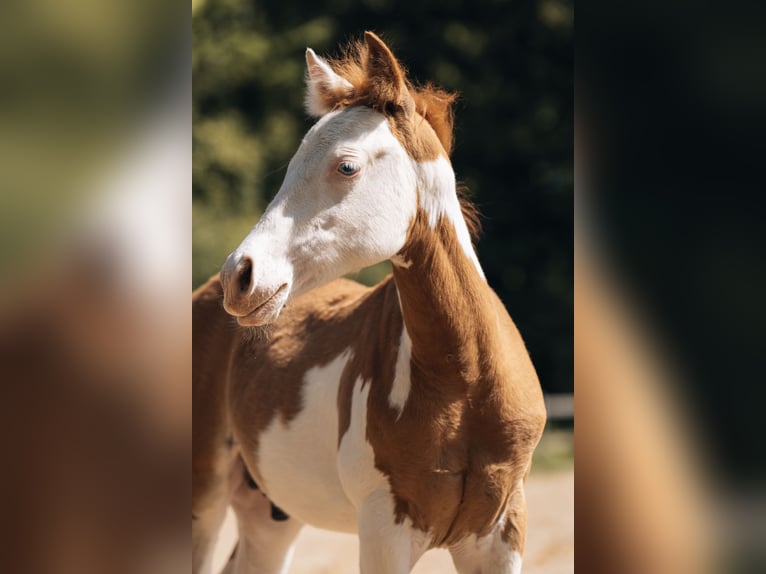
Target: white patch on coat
[
  {"x": 298, "y": 461},
  {"x": 400, "y": 389},
  {"x": 488, "y": 553},
  {"x": 385, "y": 546},
  {"x": 438, "y": 198},
  {"x": 356, "y": 459}
]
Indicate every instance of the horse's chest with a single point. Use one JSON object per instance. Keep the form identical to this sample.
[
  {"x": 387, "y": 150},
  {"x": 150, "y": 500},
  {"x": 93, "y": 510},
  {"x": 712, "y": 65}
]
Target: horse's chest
[
  {"x": 303, "y": 467},
  {"x": 448, "y": 481}
]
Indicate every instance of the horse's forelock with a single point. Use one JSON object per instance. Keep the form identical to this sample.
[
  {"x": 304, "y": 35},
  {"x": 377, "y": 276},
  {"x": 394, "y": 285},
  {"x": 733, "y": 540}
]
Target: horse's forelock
[{"x": 431, "y": 102}]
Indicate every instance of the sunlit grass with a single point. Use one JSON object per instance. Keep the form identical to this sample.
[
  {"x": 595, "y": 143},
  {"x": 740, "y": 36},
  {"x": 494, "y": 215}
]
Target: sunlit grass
[
  {"x": 372, "y": 275},
  {"x": 555, "y": 451}
]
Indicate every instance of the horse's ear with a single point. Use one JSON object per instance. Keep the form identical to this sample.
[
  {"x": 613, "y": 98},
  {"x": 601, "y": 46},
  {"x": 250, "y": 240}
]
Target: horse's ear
[
  {"x": 385, "y": 77},
  {"x": 324, "y": 88}
]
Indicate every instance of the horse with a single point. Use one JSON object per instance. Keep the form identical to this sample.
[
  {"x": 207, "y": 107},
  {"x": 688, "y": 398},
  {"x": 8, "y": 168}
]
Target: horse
[{"x": 406, "y": 412}]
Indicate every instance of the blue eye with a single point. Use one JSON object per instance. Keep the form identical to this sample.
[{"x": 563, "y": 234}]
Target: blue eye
[{"x": 348, "y": 168}]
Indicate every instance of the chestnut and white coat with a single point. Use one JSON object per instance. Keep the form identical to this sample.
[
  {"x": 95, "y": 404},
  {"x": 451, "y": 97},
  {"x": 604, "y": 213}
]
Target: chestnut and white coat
[{"x": 406, "y": 412}]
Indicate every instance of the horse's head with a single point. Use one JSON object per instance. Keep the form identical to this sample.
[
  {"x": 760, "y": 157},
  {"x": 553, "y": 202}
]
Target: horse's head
[{"x": 351, "y": 190}]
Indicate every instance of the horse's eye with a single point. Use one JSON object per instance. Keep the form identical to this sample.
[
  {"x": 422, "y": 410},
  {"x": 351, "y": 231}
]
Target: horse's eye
[{"x": 348, "y": 168}]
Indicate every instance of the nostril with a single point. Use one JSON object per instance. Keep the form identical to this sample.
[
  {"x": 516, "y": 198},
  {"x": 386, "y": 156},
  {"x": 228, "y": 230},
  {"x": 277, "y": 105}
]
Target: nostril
[{"x": 245, "y": 275}]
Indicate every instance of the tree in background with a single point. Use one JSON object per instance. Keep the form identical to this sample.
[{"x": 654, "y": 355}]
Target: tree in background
[{"x": 511, "y": 62}]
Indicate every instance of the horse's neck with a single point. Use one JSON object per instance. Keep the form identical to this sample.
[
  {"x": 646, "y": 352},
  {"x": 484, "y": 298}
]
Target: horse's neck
[{"x": 448, "y": 308}]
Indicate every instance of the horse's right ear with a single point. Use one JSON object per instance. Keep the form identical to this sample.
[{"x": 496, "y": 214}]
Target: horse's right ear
[
  {"x": 324, "y": 88},
  {"x": 385, "y": 77}
]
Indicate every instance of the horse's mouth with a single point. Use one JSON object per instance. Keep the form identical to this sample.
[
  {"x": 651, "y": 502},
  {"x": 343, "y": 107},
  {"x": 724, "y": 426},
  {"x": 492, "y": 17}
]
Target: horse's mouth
[{"x": 268, "y": 311}]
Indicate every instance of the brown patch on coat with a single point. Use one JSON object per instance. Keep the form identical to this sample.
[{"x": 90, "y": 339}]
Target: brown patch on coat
[
  {"x": 472, "y": 380},
  {"x": 515, "y": 527},
  {"x": 214, "y": 334}
]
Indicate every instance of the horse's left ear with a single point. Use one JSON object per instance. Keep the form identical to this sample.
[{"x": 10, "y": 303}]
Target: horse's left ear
[
  {"x": 385, "y": 77},
  {"x": 324, "y": 88}
]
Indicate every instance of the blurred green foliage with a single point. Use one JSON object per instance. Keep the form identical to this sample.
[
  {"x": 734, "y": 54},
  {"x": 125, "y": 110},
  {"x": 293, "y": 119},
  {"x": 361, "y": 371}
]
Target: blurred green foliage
[
  {"x": 512, "y": 63},
  {"x": 78, "y": 80},
  {"x": 555, "y": 452}
]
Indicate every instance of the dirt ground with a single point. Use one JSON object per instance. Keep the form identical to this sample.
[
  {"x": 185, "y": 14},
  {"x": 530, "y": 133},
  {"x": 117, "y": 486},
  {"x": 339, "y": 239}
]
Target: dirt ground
[{"x": 550, "y": 537}]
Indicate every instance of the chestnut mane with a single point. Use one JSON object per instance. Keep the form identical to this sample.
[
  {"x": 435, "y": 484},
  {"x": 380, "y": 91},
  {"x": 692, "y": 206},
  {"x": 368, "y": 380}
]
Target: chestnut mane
[{"x": 431, "y": 102}]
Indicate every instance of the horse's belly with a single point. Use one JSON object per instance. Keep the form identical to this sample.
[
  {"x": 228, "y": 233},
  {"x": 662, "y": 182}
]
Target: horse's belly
[{"x": 298, "y": 461}]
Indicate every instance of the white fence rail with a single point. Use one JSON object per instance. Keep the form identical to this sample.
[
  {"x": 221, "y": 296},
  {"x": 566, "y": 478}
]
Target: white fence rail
[{"x": 560, "y": 406}]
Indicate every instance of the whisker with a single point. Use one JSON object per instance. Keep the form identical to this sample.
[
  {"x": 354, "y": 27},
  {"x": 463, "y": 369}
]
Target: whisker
[{"x": 269, "y": 174}]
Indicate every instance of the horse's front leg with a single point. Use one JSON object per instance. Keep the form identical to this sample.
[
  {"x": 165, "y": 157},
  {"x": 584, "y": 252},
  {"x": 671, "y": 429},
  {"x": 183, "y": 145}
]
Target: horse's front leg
[
  {"x": 500, "y": 551},
  {"x": 266, "y": 534},
  {"x": 386, "y": 547}
]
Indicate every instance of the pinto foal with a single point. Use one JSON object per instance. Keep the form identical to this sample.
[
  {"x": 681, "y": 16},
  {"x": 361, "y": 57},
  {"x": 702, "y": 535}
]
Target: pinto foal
[{"x": 406, "y": 412}]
